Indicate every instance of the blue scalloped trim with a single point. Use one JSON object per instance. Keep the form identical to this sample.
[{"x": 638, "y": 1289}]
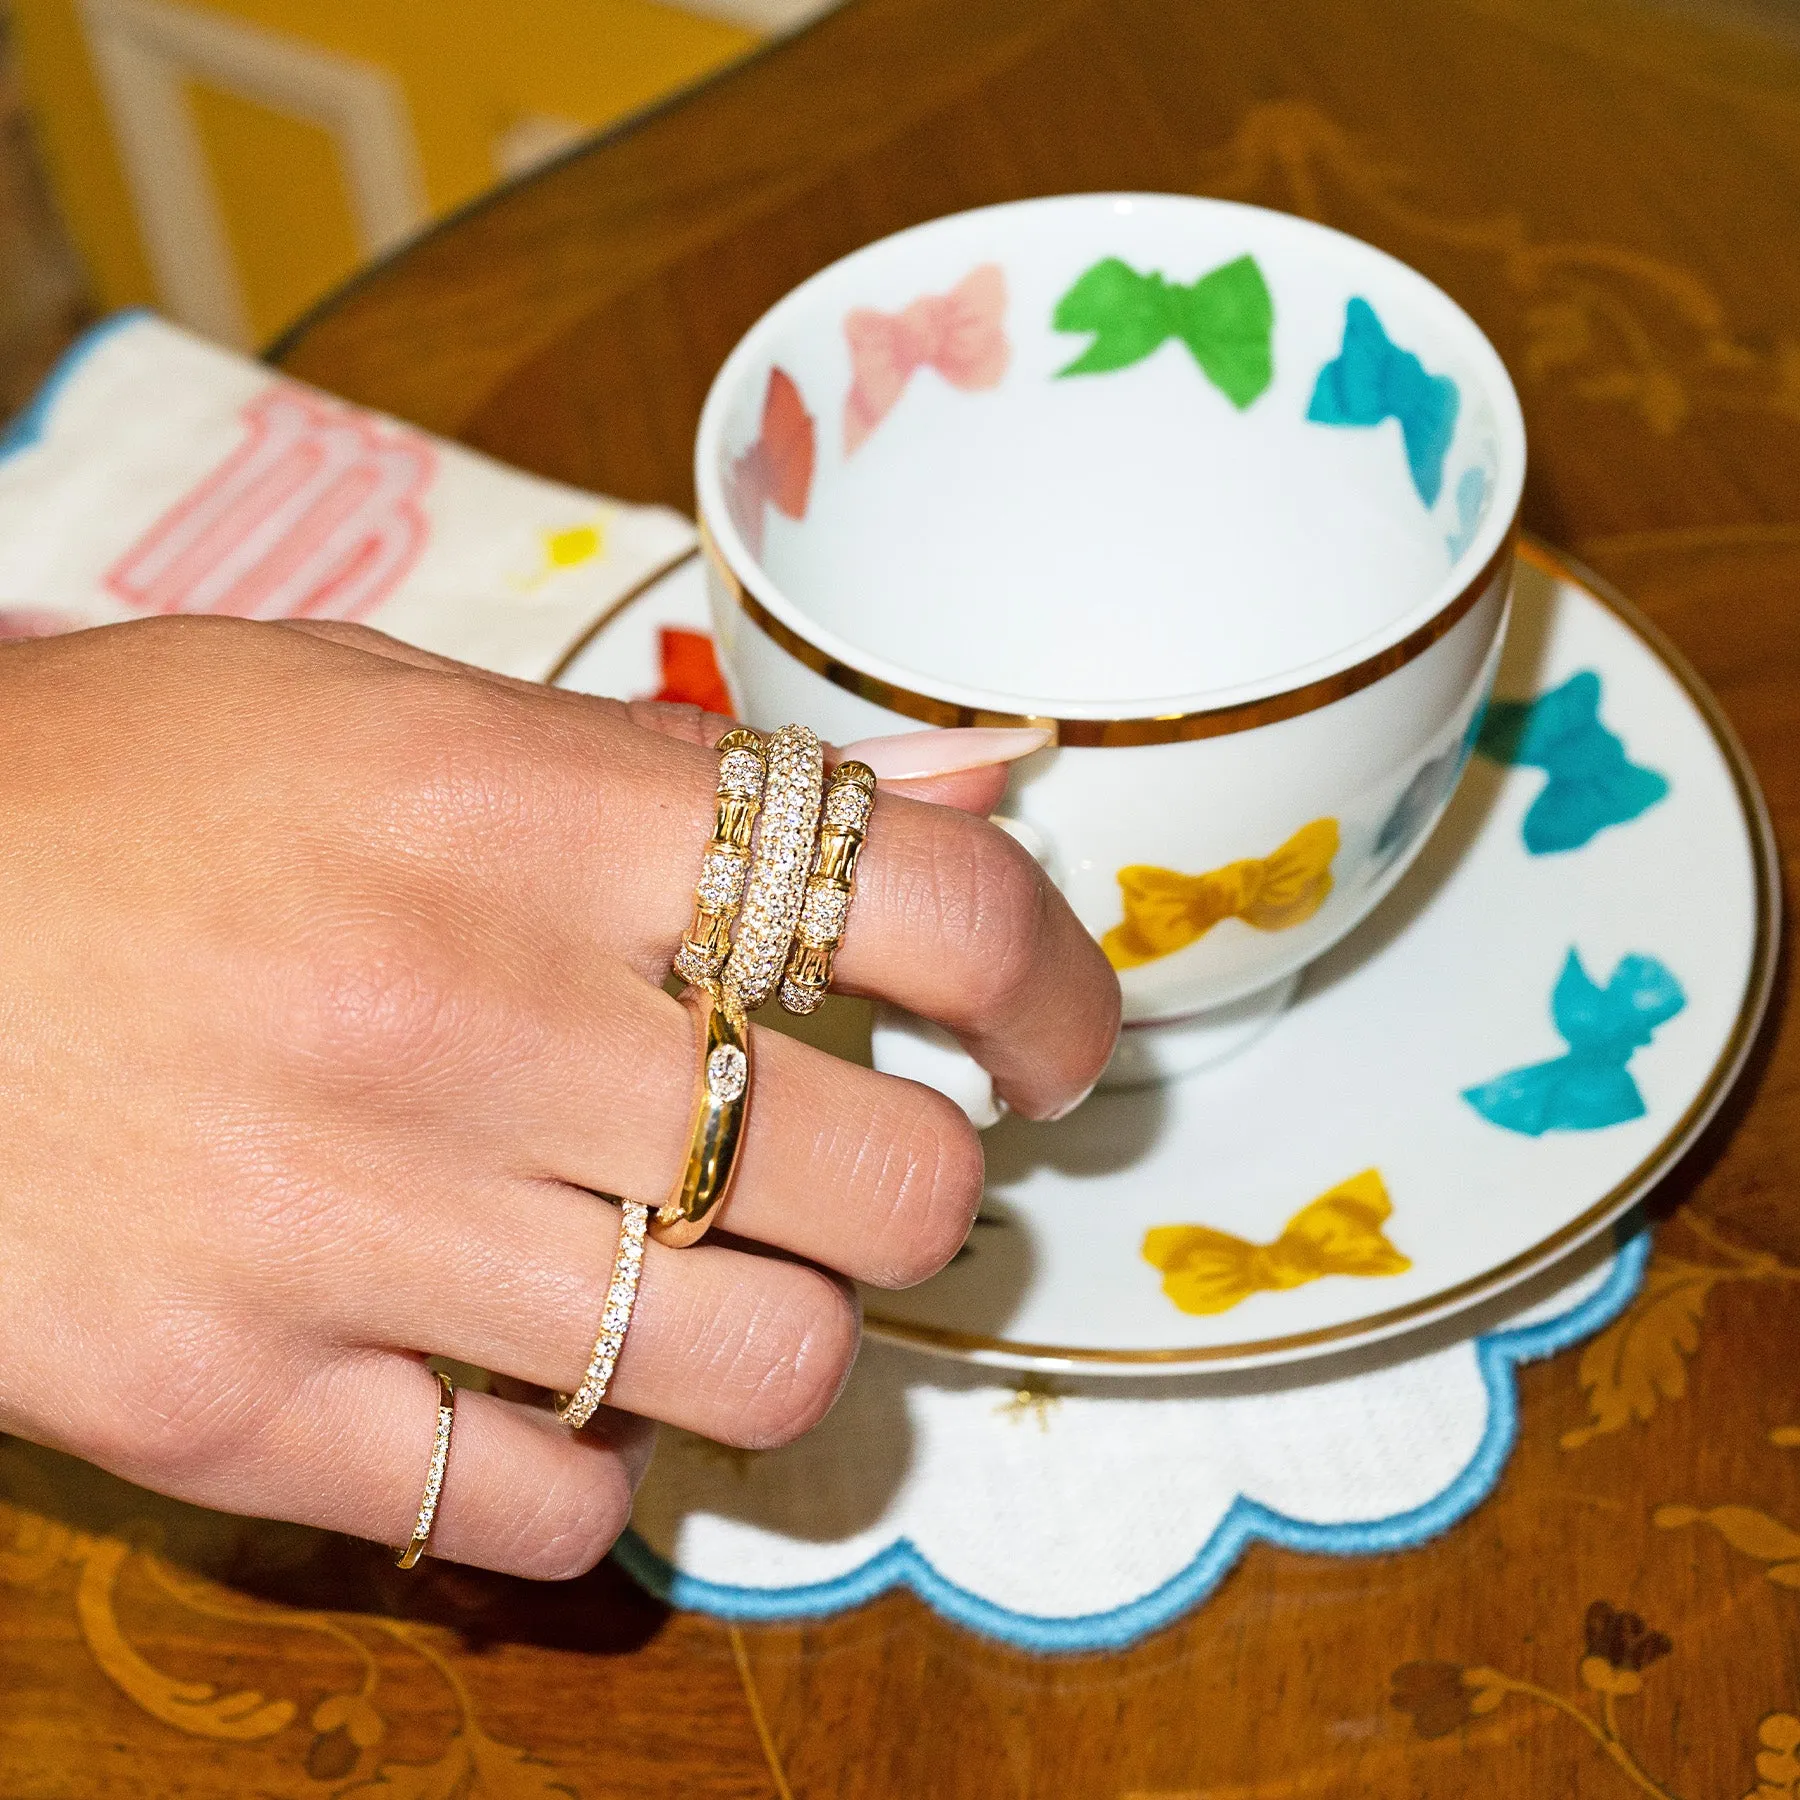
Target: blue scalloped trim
[
  {"x": 27, "y": 427},
  {"x": 1247, "y": 1522}
]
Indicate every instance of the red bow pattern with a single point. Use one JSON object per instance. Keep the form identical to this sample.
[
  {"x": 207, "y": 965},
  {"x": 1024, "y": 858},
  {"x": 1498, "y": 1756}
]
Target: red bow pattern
[
  {"x": 690, "y": 671},
  {"x": 777, "y": 469},
  {"x": 960, "y": 334}
]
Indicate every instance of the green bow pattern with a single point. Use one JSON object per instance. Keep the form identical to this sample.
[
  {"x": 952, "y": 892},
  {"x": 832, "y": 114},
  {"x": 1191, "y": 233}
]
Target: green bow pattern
[{"x": 1226, "y": 319}]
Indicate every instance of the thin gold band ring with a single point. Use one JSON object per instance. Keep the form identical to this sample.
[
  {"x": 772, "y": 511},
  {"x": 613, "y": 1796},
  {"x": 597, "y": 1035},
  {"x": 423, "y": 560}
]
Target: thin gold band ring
[{"x": 434, "y": 1478}]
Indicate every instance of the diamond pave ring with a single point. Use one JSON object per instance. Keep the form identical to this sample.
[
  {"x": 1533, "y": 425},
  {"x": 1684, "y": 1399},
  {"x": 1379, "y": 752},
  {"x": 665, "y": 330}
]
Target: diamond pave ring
[
  {"x": 779, "y": 866},
  {"x": 434, "y": 1475},
  {"x": 826, "y": 908},
  {"x": 575, "y": 1409}
]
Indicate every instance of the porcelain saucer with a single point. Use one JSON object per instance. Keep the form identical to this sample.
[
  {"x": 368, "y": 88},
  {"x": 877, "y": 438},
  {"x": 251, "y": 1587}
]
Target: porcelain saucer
[{"x": 1512, "y": 1050}]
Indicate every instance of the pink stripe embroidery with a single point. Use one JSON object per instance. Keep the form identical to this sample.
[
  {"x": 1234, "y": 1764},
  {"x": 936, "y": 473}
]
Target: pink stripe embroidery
[{"x": 316, "y": 515}]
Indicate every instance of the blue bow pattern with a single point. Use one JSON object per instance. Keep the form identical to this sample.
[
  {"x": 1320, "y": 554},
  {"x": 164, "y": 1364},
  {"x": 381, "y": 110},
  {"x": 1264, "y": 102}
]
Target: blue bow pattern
[
  {"x": 1592, "y": 784},
  {"x": 1418, "y": 804},
  {"x": 1591, "y": 1086},
  {"x": 1372, "y": 379},
  {"x": 1471, "y": 503}
]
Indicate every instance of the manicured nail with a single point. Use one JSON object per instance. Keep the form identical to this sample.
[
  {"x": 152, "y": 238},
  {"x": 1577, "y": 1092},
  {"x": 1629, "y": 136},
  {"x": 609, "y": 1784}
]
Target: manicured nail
[
  {"x": 1062, "y": 1112},
  {"x": 914, "y": 754}
]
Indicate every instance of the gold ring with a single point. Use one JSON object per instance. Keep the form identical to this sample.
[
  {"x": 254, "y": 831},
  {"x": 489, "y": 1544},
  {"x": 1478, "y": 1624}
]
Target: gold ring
[
  {"x": 717, "y": 894},
  {"x": 848, "y": 800},
  {"x": 575, "y": 1409},
  {"x": 721, "y": 1103},
  {"x": 434, "y": 1477},
  {"x": 778, "y": 868}
]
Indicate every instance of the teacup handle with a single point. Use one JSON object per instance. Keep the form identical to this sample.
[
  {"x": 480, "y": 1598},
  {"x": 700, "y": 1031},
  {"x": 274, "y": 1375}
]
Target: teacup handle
[{"x": 906, "y": 1045}]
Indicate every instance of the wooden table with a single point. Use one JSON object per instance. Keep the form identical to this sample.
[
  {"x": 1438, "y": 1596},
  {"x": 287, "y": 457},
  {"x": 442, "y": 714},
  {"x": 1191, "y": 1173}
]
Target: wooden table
[{"x": 1614, "y": 192}]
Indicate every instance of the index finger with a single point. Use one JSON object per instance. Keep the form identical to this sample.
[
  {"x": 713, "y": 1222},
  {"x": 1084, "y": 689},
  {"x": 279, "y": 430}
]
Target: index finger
[
  {"x": 952, "y": 919},
  {"x": 955, "y": 921}
]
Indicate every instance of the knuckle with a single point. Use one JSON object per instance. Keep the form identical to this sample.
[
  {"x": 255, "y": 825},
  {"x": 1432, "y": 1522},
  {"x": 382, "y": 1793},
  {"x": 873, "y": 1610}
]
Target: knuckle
[
  {"x": 190, "y": 1420},
  {"x": 341, "y": 631},
  {"x": 991, "y": 900},
  {"x": 791, "y": 1358},
  {"x": 921, "y": 1193},
  {"x": 683, "y": 719},
  {"x": 576, "y": 1519},
  {"x": 372, "y": 997}
]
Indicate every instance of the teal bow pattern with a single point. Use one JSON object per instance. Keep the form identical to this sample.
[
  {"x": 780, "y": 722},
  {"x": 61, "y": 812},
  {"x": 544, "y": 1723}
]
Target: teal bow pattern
[
  {"x": 1592, "y": 784},
  {"x": 1591, "y": 1087},
  {"x": 1423, "y": 796},
  {"x": 1226, "y": 319},
  {"x": 1372, "y": 379}
]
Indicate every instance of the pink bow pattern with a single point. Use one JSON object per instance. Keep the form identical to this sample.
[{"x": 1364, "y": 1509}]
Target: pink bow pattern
[{"x": 960, "y": 334}]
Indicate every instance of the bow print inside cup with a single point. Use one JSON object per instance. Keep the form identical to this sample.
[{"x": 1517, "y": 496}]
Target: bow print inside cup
[
  {"x": 959, "y": 334},
  {"x": 1246, "y": 556}
]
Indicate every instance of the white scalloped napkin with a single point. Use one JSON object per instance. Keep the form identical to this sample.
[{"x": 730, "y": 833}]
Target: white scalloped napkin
[{"x": 1079, "y": 1516}]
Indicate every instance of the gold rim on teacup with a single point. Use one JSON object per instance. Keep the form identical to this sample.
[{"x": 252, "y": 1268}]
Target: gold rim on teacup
[{"x": 1128, "y": 731}]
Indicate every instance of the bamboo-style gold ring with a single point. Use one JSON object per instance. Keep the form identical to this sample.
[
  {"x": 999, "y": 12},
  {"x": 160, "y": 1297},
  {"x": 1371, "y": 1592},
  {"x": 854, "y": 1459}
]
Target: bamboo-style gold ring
[
  {"x": 621, "y": 1296},
  {"x": 721, "y": 1104},
  {"x": 434, "y": 1477},
  {"x": 823, "y": 913},
  {"x": 778, "y": 868},
  {"x": 743, "y": 769}
]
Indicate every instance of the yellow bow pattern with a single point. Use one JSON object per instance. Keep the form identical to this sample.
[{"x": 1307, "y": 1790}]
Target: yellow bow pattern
[
  {"x": 1207, "y": 1271},
  {"x": 1166, "y": 911}
]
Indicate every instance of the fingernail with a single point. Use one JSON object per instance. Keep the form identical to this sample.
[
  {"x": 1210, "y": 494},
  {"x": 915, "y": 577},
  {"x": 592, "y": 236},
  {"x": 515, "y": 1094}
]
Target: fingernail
[
  {"x": 1064, "y": 1111},
  {"x": 913, "y": 754}
]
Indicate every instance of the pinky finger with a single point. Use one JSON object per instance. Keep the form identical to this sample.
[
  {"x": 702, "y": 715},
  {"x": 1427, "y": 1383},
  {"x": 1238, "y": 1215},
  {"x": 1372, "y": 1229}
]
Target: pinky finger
[{"x": 521, "y": 1494}]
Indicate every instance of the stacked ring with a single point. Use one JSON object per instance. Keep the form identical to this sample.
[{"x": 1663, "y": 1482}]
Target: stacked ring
[
  {"x": 778, "y": 868},
  {"x": 720, "y": 889},
  {"x": 826, "y": 907},
  {"x": 575, "y": 1409},
  {"x": 721, "y": 1102},
  {"x": 434, "y": 1476}
]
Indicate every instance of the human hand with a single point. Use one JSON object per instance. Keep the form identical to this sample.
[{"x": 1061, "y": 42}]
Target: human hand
[{"x": 332, "y": 996}]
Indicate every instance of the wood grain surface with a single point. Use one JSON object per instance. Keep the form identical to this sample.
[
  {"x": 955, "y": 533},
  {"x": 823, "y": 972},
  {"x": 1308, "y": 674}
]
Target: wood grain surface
[{"x": 1614, "y": 193}]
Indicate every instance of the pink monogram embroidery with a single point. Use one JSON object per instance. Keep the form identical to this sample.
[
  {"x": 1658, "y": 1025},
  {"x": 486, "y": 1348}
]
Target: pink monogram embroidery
[
  {"x": 315, "y": 515},
  {"x": 959, "y": 334}
]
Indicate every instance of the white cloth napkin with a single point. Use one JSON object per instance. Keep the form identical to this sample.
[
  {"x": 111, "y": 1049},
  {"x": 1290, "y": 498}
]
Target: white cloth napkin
[
  {"x": 156, "y": 473},
  {"x": 1080, "y": 1516}
]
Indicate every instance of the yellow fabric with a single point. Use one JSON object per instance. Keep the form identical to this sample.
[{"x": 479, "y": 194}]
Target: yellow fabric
[
  {"x": 474, "y": 77},
  {"x": 1166, "y": 911},
  {"x": 1208, "y": 1271}
]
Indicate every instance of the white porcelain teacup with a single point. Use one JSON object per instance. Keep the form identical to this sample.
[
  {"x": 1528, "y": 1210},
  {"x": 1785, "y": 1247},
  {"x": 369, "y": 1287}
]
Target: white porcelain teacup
[{"x": 1224, "y": 497}]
